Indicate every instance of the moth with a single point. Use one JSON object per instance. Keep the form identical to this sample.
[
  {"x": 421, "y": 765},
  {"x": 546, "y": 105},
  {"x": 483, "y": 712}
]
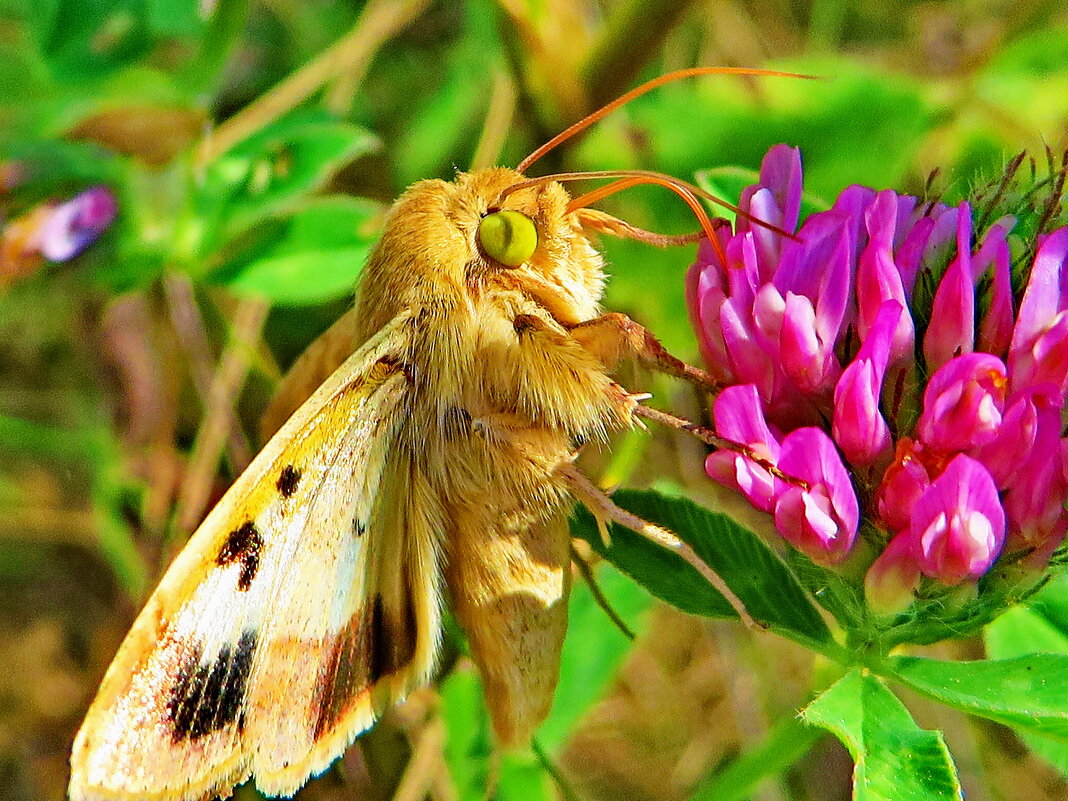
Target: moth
[{"x": 436, "y": 459}]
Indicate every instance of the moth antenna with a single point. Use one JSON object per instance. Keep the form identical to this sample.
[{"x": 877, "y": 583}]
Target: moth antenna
[
  {"x": 681, "y": 188},
  {"x": 638, "y": 91},
  {"x": 628, "y": 178},
  {"x": 634, "y": 178},
  {"x": 678, "y": 187}
]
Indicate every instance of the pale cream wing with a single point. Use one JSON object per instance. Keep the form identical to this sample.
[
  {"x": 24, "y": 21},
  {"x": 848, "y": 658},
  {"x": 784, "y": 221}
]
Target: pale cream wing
[{"x": 306, "y": 601}]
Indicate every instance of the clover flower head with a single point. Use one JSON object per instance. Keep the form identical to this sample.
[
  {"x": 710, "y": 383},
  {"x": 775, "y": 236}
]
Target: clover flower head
[{"x": 882, "y": 364}]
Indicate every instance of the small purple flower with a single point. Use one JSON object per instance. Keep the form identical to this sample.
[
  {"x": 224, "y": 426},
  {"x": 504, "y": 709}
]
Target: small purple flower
[
  {"x": 1036, "y": 499},
  {"x": 952, "y": 329},
  {"x": 858, "y": 426},
  {"x": 891, "y": 582},
  {"x": 958, "y": 523},
  {"x": 1015, "y": 436},
  {"x": 74, "y": 225},
  {"x": 995, "y": 330},
  {"x": 883, "y": 336},
  {"x": 963, "y": 403},
  {"x": 904, "y": 481},
  {"x": 1037, "y": 352},
  {"x": 816, "y": 509},
  {"x": 820, "y": 519},
  {"x": 739, "y": 417},
  {"x": 879, "y": 280}
]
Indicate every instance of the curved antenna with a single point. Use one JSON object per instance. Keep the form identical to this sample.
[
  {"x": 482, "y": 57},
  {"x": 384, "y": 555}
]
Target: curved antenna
[
  {"x": 629, "y": 178},
  {"x": 688, "y": 193},
  {"x": 638, "y": 91},
  {"x": 635, "y": 177}
]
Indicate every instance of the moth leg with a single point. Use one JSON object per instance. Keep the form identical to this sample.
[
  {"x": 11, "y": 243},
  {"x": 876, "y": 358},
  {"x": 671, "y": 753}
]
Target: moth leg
[
  {"x": 603, "y": 508},
  {"x": 710, "y": 437},
  {"x": 579, "y": 561},
  {"x": 613, "y": 337}
]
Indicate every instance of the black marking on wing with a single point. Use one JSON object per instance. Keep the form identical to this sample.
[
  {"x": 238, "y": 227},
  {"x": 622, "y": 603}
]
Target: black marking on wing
[
  {"x": 393, "y": 636},
  {"x": 288, "y": 480},
  {"x": 358, "y": 528},
  {"x": 207, "y": 698},
  {"x": 375, "y": 643},
  {"x": 243, "y": 544}
]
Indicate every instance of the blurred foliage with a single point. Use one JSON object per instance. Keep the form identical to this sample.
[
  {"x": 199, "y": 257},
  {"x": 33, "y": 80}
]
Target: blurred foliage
[{"x": 254, "y": 145}]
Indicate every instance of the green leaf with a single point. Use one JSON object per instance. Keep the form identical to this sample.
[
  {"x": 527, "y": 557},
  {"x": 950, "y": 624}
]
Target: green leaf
[
  {"x": 1025, "y": 692},
  {"x": 84, "y": 41},
  {"x": 313, "y": 256},
  {"x": 1052, "y": 604},
  {"x": 834, "y": 593},
  {"x": 269, "y": 172},
  {"x": 593, "y": 650},
  {"x": 314, "y": 276},
  {"x": 750, "y": 568},
  {"x": 895, "y": 760},
  {"x": 1037, "y": 627},
  {"x": 175, "y": 17}
]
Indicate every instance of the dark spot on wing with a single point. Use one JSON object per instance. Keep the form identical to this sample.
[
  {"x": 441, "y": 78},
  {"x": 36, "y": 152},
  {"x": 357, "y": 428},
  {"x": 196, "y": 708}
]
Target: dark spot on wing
[
  {"x": 288, "y": 480},
  {"x": 358, "y": 528},
  {"x": 243, "y": 545},
  {"x": 381, "y": 652},
  {"x": 207, "y": 698},
  {"x": 393, "y": 637},
  {"x": 375, "y": 643}
]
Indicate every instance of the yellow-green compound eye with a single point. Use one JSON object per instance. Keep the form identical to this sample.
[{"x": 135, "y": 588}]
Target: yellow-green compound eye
[{"x": 508, "y": 237}]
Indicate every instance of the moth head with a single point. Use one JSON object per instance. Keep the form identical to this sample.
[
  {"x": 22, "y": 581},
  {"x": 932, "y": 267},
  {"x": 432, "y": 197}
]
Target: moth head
[
  {"x": 449, "y": 241},
  {"x": 526, "y": 237}
]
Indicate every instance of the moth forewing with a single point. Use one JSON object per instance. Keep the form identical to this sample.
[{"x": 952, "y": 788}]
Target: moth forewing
[{"x": 261, "y": 649}]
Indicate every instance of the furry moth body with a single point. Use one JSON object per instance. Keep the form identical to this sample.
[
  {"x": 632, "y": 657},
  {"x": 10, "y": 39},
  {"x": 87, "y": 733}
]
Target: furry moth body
[{"x": 433, "y": 462}]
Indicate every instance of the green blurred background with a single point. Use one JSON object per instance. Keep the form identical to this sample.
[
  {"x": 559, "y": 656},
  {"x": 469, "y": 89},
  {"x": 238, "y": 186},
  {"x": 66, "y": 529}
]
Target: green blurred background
[{"x": 254, "y": 145}]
